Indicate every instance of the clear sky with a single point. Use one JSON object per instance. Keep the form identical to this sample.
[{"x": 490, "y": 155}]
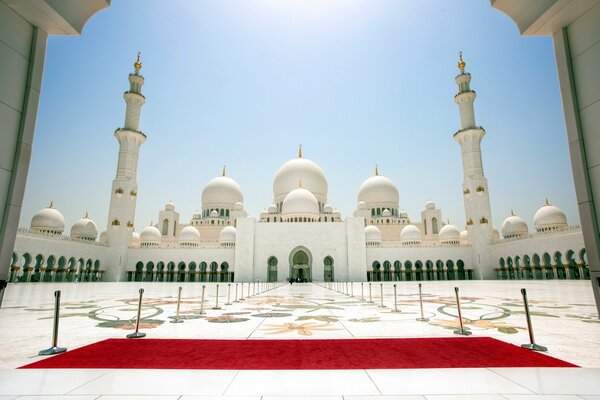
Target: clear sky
[{"x": 243, "y": 82}]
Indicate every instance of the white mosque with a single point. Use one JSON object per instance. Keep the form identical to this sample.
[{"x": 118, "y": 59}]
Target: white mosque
[{"x": 299, "y": 236}]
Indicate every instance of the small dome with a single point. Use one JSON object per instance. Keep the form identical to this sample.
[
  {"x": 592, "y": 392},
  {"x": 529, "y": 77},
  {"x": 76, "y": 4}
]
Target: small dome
[
  {"x": 214, "y": 214},
  {"x": 239, "y": 206},
  {"x": 196, "y": 215},
  {"x": 495, "y": 234},
  {"x": 104, "y": 238},
  {"x": 514, "y": 226},
  {"x": 403, "y": 214},
  {"x": 362, "y": 205},
  {"x": 85, "y": 229},
  {"x": 48, "y": 220},
  {"x": 135, "y": 237},
  {"x": 378, "y": 191},
  {"x": 410, "y": 233},
  {"x": 189, "y": 234},
  {"x": 549, "y": 217},
  {"x": 449, "y": 234},
  {"x": 228, "y": 234},
  {"x": 272, "y": 209},
  {"x": 386, "y": 212},
  {"x": 328, "y": 209},
  {"x": 430, "y": 205},
  {"x": 221, "y": 192},
  {"x": 464, "y": 236},
  {"x": 150, "y": 234},
  {"x": 373, "y": 234},
  {"x": 170, "y": 206},
  {"x": 300, "y": 202},
  {"x": 287, "y": 177}
]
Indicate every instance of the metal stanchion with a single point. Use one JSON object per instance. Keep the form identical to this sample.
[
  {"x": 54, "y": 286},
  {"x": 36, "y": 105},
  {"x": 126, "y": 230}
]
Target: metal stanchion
[
  {"x": 248, "y": 296},
  {"x": 362, "y": 291},
  {"x": 531, "y": 345},
  {"x": 346, "y": 288},
  {"x": 201, "y": 312},
  {"x": 462, "y": 330},
  {"x": 137, "y": 333},
  {"x": 242, "y": 293},
  {"x": 236, "y": 300},
  {"x": 421, "y": 304},
  {"x": 54, "y": 349},
  {"x": 395, "y": 300},
  {"x": 370, "y": 296},
  {"x": 351, "y": 289},
  {"x": 228, "y": 294},
  {"x": 177, "y": 320},
  {"x": 216, "y": 307},
  {"x": 381, "y": 295}
]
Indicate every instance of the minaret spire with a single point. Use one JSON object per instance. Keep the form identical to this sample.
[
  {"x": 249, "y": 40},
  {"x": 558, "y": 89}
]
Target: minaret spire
[
  {"x": 376, "y": 170},
  {"x": 223, "y": 173},
  {"x": 121, "y": 213},
  {"x": 300, "y": 151}
]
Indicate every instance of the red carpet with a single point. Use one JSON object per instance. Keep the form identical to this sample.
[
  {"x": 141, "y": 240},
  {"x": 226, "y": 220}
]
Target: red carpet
[{"x": 300, "y": 354}]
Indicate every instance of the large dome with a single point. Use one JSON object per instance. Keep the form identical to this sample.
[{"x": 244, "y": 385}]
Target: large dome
[
  {"x": 221, "y": 191},
  {"x": 312, "y": 176},
  {"x": 300, "y": 203},
  {"x": 85, "y": 228},
  {"x": 48, "y": 220},
  {"x": 378, "y": 191},
  {"x": 514, "y": 226},
  {"x": 549, "y": 217}
]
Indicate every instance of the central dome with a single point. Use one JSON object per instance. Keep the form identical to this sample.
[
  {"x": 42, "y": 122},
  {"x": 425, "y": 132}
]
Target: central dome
[
  {"x": 221, "y": 191},
  {"x": 312, "y": 176},
  {"x": 379, "y": 191}
]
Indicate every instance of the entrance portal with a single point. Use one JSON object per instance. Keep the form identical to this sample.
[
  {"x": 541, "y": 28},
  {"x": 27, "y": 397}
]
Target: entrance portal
[{"x": 300, "y": 267}]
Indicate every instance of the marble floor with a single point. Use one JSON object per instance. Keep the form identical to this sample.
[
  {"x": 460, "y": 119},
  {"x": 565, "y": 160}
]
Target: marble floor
[{"x": 564, "y": 317}]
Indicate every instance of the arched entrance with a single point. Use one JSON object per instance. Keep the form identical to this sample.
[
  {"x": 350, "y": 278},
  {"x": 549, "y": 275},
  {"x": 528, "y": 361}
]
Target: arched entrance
[
  {"x": 301, "y": 265},
  {"x": 272, "y": 269},
  {"x": 328, "y": 269}
]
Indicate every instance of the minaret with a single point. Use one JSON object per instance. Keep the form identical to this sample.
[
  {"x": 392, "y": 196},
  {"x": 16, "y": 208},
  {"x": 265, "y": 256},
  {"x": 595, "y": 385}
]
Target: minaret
[
  {"x": 475, "y": 186},
  {"x": 121, "y": 214}
]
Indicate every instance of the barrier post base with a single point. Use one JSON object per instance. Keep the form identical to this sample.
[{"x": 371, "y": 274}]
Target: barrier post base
[
  {"x": 176, "y": 321},
  {"x": 52, "y": 350},
  {"x": 136, "y": 335},
  {"x": 423, "y": 319},
  {"x": 534, "y": 347},
  {"x": 463, "y": 332}
]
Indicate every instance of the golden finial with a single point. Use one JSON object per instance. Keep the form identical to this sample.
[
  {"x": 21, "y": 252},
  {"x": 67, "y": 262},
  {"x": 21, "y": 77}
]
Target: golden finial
[
  {"x": 300, "y": 183},
  {"x": 512, "y": 212},
  {"x": 547, "y": 202},
  {"x": 138, "y": 63},
  {"x": 376, "y": 170},
  {"x": 224, "y": 168},
  {"x": 51, "y": 204},
  {"x": 300, "y": 151},
  {"x": 87, "y": 216},
  {"x": 461, "y": 63}
]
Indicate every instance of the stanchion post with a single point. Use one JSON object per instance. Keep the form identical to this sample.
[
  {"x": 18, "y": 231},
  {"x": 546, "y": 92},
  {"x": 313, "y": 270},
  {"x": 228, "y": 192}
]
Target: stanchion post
[
  {"x": 370, "y": 295},
  {"x": 362, "y": 291},
  {"x": 228, "y": 294},
  {"x": 216, "y": 307},
  {"x": 395, "y": 310},
  {"x": 54, "y": 349},
  {"x": 462, "y": 330},
  {"x": 531, "y": 345},
  {"x": 236, "y": 299},
  {"x": 201, "y": 312},
  {"x": 351, "y": 289},
  {"x": 177, "y": 320},
  {"x": 381, "y": 295},
  {"x": 346, "y": 288},
  {"x": 242, "y": 293},
  {"x": 248, "y": 296},
  {"x": 137, "y": 333},
  {"x": 423, "y": 319}
]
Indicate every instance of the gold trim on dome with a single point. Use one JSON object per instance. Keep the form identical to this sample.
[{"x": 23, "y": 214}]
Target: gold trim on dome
[
  {"x": 461, "y": 63},
  {"x": 138, "y": 63}
]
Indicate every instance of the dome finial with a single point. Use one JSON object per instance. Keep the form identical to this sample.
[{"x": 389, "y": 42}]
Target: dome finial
[
  {"x": 138, "y": 63},
  {"x": 224, "y": 170},
  {"x": 376, "y": 170},
  {"x": 300, "y": 183},
  {"x": 547, "y": 203},
  {"x": 461, "y": 63},
  {"x": 512, "y": 212},
  {"x": 51, "y": 204},
  {"x": 87, "y": 216},
  {"x": 300, "y": 151}
]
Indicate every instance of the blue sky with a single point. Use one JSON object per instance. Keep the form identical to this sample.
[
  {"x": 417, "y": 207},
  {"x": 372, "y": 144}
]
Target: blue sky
[{"x": 243, "y": 82}]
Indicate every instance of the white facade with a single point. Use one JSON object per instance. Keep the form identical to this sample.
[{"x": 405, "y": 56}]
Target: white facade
[{"x": 299, "y": 235}]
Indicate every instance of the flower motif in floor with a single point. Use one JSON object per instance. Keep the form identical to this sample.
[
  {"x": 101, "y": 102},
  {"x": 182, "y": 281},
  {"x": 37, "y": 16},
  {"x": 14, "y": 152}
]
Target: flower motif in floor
[{"x": 305, "y": 329}]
